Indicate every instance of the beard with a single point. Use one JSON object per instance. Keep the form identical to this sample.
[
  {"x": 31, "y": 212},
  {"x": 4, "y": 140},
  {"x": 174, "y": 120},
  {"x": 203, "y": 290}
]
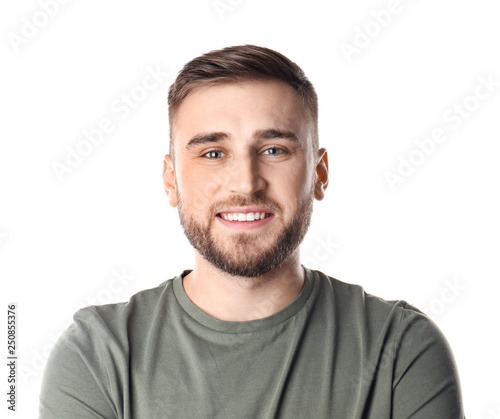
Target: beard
[{"x": 245, "y": 254}]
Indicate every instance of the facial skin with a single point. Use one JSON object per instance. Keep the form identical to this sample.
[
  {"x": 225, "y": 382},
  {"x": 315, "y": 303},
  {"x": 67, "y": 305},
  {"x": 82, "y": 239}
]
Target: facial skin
[{"x": 240, "y": 147}]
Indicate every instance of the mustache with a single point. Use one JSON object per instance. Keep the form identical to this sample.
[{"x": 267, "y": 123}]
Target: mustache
[{"x": 256, "y": 200}]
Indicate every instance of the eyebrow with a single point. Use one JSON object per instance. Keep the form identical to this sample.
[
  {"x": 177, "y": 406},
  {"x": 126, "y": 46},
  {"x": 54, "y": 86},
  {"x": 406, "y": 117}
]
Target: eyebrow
[
  {"x": 267, "y": 134},
  {"x": 199, "y": 139}
]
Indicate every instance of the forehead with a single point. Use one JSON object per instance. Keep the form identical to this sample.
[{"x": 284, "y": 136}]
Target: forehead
[{"x": 241, "y": 108}]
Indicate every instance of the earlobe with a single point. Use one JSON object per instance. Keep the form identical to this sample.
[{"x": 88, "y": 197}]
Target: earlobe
[
  {"x": 169, "y": 180},
  {"x": 321, "y": 174}
]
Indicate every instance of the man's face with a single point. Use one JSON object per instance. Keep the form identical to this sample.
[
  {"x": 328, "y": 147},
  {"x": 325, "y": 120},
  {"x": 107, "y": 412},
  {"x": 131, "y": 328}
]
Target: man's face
[{"x": 243, "y": 152}]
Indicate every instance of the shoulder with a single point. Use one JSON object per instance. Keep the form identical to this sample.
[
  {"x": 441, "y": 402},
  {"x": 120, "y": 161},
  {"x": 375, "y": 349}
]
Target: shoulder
[
  {"x": 114, "y": 318},
  {"x": 351, "y": 300},
  {"x": 141, "y": 305},
  {"x": 395, "y": 321},
  {"x": 88, "y": 369},
  {"x": 399, "y": 345},
  {"x": 114, "y": 326}
]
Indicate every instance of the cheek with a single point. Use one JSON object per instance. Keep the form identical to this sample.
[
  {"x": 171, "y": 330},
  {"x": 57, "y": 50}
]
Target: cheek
[
  {"x": 291, "y": 190},
  {"x": 197, "y": 189}
]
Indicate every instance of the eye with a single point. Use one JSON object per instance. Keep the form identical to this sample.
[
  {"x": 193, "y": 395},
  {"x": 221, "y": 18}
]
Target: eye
[
  {"x": 213, "y": 154},
  {"x": 274, "y": 151}
]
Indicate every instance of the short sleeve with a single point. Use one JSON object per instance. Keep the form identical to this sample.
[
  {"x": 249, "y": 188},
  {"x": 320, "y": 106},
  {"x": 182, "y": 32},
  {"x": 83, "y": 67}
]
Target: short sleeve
[
  {"x": 74, "y": 383},
  {"x": 426, "y": 383}
]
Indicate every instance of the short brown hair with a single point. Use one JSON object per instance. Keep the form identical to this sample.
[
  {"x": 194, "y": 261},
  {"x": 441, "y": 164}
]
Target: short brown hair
[{"x": 239, "y": 63}]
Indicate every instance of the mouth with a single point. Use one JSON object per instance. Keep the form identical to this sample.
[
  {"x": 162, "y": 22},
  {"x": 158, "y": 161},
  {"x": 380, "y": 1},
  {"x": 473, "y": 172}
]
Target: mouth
[{"x": 245, "y": 218}]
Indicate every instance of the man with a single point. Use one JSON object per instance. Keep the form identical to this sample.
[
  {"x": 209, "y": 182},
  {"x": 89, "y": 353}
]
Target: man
[{"x": 249, "y": 332}]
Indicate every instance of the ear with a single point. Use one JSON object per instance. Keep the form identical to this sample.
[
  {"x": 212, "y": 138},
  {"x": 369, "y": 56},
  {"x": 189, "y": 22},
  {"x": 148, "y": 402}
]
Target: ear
[
  {"x": 321, "y": 174},
  {"x": 169, "y": 180}
]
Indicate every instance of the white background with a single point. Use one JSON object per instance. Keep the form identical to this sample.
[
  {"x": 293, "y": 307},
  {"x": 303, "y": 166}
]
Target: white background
[{"x": 432, "y": 241}]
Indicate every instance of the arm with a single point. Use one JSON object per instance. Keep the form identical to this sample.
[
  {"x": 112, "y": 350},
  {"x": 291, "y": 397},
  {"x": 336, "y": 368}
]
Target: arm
[
  {"x": 74, "y": 386},
  {"x": 426, "y": 383}
]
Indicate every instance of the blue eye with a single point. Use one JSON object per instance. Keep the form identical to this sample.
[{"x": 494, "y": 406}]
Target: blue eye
[
  {"x": 213, "y": 154},
  {"x": 277, "y": 151}
]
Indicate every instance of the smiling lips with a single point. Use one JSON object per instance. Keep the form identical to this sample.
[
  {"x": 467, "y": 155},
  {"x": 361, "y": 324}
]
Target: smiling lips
[
  {"x": 245, "y": 218},
  {"x": 240, "y": 216}
]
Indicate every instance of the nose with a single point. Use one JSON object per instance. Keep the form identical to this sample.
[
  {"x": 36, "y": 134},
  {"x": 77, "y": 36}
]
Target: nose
[{"x": 245, "y": 176}]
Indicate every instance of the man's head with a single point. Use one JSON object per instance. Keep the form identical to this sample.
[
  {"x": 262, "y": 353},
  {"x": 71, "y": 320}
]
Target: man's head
[
  {"x": 237, "y": 64},
  {"x": 245, "y": 146}
]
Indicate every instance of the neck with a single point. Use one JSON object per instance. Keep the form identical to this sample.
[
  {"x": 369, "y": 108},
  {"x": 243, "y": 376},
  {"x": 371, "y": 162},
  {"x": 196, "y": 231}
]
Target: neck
[{"x": 234, "y": 298}]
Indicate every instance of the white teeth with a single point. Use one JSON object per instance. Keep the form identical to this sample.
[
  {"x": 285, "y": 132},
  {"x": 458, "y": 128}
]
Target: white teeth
[{"x": 240, "y": 216}]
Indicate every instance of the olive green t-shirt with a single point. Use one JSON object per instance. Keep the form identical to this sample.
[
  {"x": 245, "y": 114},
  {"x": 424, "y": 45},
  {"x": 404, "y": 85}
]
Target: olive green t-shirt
[{"x": 334, "y": 352}]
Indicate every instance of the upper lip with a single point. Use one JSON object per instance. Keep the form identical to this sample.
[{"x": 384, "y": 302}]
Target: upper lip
[{"x": 245, "y": 210}]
